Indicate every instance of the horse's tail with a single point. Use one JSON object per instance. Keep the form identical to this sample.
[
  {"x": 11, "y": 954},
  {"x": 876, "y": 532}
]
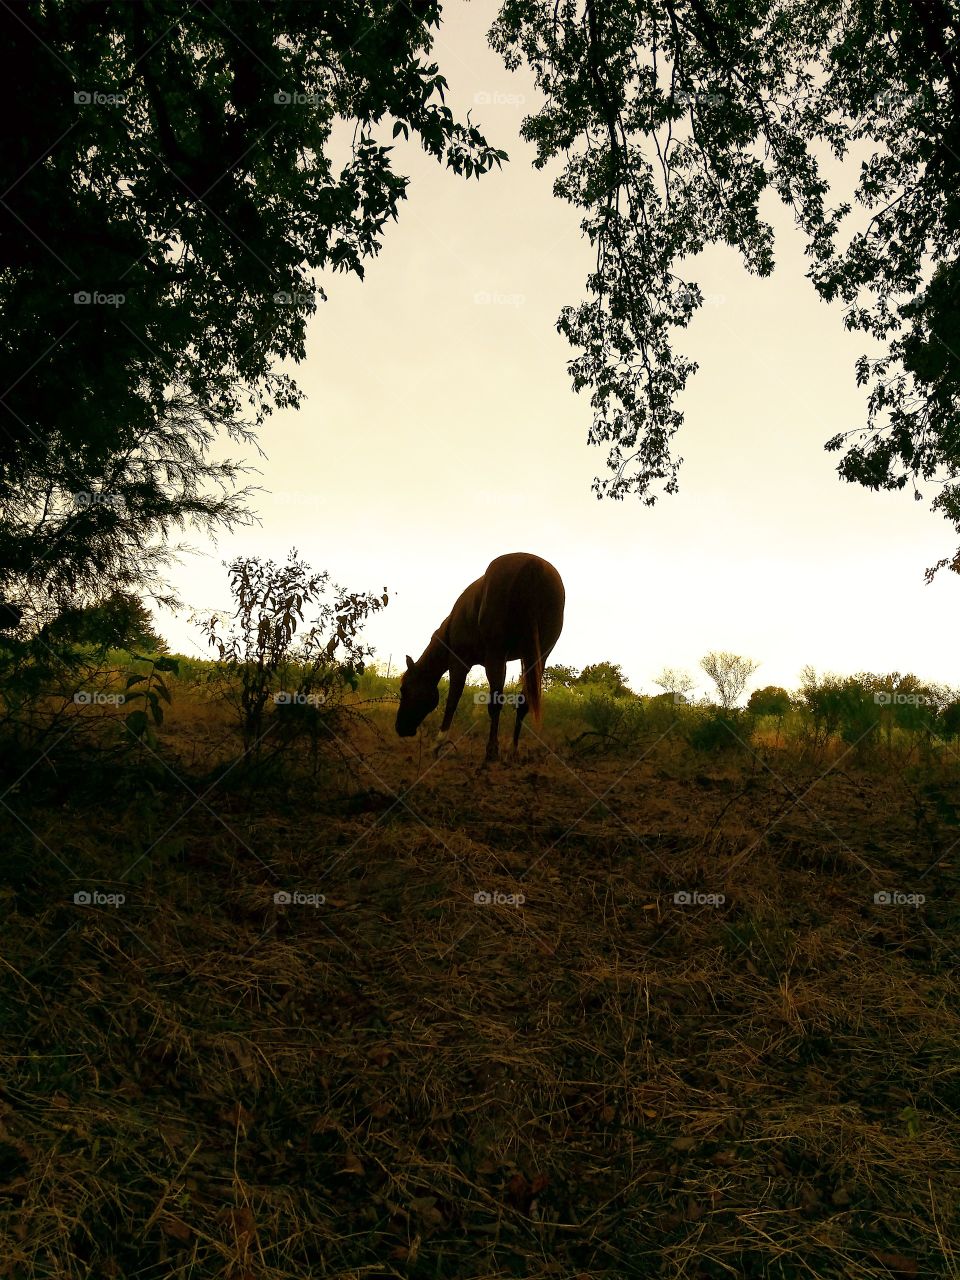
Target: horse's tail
[{"x": 533, "y": 673}]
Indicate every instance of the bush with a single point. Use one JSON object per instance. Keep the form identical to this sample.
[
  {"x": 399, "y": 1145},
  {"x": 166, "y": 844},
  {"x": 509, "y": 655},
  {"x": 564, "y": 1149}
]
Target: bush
[
  {"x": 262, "y": 660},
  {"x": 771, "y": 701},
  {"x": 721, "y": 729}
]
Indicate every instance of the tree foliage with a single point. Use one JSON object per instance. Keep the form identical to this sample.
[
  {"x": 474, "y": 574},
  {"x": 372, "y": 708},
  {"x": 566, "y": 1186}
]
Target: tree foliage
[
  {"x": 170, "y": 194},
  {"x": 770, "y": 701},
  {"x": 730, "y": 673},
  {"x": 672, "y": 119},
  {"x": 607, "y": 676},
  {"x": 268, "y": 653},
  {"x": 120, "y": 621}
]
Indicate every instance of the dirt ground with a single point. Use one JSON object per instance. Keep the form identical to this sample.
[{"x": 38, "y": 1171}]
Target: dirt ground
[{"x": 479, "y": 1034}]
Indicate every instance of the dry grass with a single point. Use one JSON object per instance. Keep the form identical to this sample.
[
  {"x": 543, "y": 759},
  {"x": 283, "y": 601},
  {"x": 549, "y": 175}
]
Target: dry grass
[{"x": 404, "y": 1082}]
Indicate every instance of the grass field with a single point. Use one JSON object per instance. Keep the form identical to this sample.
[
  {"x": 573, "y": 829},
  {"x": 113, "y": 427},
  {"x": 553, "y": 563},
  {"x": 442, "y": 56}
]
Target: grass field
[{"x": 501, "y": 1045}]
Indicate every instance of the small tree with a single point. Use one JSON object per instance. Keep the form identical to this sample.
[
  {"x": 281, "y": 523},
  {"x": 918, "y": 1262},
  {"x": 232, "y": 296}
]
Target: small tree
[
  {"x": 560, "y": 677},
  {"x": 259, "y": 656},
  {"x": 771, "y": 701},
  {"x": 949, "y": 720},
  {"x": 120, "y": 621},
  {"x": 730, "y": 673},
  {"x": 679, "y": 683},
  {"x": 607, "y": 676}
]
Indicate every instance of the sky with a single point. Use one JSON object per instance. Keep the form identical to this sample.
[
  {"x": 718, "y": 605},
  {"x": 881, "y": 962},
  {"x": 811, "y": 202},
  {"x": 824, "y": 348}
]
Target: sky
[{"x": 440, "y": 429}]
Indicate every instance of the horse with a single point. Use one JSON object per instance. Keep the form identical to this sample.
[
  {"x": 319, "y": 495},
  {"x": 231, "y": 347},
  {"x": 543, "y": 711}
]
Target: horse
[{"x": 514, "y": 611}]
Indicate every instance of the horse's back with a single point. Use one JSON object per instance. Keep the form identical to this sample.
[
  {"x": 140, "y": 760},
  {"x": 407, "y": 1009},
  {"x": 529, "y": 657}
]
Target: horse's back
[{"x": 519, "y": 589}]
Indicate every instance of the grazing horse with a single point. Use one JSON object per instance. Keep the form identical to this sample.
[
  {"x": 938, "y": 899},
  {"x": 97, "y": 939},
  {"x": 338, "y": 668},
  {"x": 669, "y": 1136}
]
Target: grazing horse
[{"x": 514, "y": 611}]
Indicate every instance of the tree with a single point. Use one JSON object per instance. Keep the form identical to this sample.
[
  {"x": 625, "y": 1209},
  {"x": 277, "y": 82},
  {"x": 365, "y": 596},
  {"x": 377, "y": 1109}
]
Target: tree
[
  {"x": 120, "y": 621},
  {"x": 672, "y": 120},
  {"x": 771, "y": 701},
  {"x": 670, "y": 680},
  {"x": 560, "y": 676},
  {"x": 262, "y": 657},
  {"x": 608, "y": 676},
  {"x": 949, "y": 719},
  {"x": 168, "y": 200},
  {"x": 730, "y": 673}
]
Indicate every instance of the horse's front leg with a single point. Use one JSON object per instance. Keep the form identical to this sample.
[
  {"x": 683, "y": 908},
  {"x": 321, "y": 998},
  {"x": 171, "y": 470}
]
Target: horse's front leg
[{"x": 458, "y": 678}]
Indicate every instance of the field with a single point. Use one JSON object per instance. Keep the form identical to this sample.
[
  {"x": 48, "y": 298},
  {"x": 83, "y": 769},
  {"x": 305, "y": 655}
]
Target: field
[{"x": 623, "y": 1007}]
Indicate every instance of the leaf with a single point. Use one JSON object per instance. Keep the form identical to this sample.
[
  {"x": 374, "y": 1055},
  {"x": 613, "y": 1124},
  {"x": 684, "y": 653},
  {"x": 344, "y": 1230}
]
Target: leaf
[
  {"x": 352, "y": 1163},
  {"x": 167, "y": 664},
  {"x": 132, "y": 680},
  {"x": 238, "y": 1117},
  {"x": 176, "y": 1229},
  {"x": 898, "y": 1263},
  {"x": 137, "y": 723}
]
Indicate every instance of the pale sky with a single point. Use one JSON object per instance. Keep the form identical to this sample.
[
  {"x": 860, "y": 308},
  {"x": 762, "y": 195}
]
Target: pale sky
[{"x": 440, "y": 430}]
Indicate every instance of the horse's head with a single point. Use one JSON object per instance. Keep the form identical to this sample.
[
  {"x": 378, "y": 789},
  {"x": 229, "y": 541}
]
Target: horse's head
[{"x": 419, "y": 695}]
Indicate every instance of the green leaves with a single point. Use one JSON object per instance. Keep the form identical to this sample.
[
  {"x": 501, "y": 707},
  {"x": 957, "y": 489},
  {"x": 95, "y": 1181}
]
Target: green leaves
[
  {"x": 153, "y": 695},
  {"x": 137, "y": 723}
]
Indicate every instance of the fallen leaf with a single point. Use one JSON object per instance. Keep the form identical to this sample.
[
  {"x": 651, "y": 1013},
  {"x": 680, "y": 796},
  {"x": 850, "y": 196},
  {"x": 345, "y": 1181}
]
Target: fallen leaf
[
  {"x": 238, "y": 1117},
  {"x": 176, "y": 1229},
  {"x": 724, "y": 1158},
  {"x": 898, "y": 1263},
  {"x": 352, "y": 1163}
]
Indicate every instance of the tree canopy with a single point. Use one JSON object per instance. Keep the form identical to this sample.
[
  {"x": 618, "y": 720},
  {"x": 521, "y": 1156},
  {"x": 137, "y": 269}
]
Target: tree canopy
[
  {"x": 169, "y": 196},
  {"x": 673, "y": 118}
]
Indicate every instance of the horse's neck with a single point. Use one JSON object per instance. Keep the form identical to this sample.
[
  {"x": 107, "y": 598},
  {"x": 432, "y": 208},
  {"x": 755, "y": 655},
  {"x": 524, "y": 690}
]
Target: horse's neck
[{"x": 435, "y": 659}]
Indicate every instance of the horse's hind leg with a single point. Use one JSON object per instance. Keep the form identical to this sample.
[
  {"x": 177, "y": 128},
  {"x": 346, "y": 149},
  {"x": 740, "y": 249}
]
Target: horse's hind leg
[
  {"x": 496, "y": 675},
  {"x": 522, "y": 710}
]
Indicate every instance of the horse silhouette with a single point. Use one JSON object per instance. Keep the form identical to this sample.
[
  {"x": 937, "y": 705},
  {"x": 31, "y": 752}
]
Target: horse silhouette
[{"x": 514, "y": 611}]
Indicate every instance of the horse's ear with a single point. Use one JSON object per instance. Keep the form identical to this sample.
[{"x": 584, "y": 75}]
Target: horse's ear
[{"x": 410, "y": 663}]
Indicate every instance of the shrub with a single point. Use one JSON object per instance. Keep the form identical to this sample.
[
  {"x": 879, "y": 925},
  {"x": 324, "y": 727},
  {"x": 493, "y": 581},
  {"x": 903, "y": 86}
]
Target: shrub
[
  {"x": 721, "y": 729},
  {"x": 771, "y": 701},
  {"x": 262, "y": 660}
]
